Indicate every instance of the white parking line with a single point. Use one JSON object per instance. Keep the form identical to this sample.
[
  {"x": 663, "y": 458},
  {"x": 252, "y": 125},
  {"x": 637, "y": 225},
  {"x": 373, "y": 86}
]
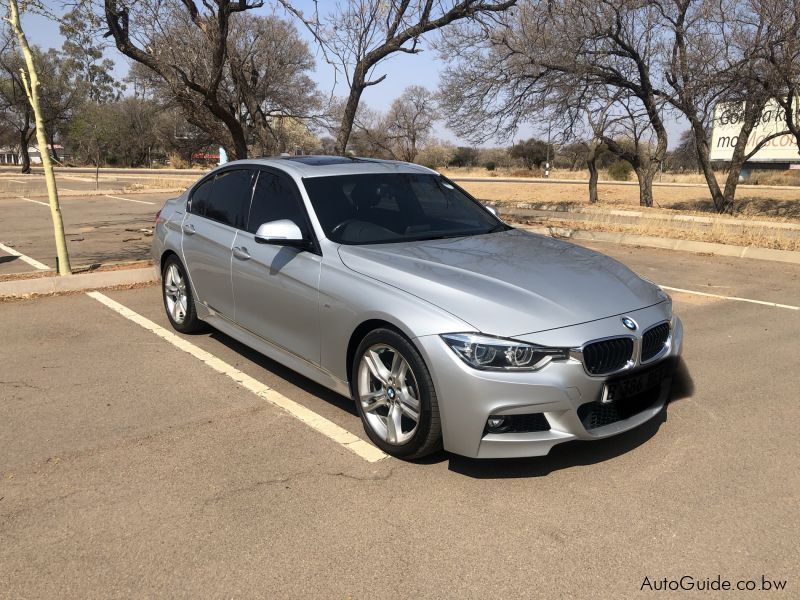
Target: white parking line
[
  {"x": 75, "y": 178},
  {"x": 327, "y": 428},
  {"x": 128, "y": 199},
  {"x": 736, "y": 298},
  {"x": 31, "y": 261},
  {"x": 34, "y": 201}
]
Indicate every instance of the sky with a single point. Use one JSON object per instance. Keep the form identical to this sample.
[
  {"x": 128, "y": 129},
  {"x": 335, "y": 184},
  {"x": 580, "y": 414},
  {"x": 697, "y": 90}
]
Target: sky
[{"x": 401, "y": 70}]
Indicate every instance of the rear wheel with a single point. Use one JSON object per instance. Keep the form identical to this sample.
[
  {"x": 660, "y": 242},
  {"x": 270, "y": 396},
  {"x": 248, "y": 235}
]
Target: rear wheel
[
  {"x": 178, "y": 300},
  {"x": 395, "y": 397}
]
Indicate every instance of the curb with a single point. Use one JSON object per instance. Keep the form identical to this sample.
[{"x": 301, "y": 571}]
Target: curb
[
  {"x": 627, "y": 239},
  {"x": 21, "y": 288}
]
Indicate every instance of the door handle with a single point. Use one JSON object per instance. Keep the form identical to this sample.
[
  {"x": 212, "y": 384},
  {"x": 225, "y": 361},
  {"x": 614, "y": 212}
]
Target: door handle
[
  {"x": 188, "y": 229},
  {"x": 241, "y": 253}
]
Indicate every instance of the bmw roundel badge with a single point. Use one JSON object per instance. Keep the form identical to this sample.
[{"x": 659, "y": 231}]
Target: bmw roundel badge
[{"x": 629, "y": 323}]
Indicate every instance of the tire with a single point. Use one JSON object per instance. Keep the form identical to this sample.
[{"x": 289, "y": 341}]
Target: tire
[
  {"x": 388, "y": 395},
  {"x": 176, "y": 292}
]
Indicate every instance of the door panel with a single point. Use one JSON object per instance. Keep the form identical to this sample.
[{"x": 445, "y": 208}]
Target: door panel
[
  {"x": 276, "y": 292},
  {"x": 207, "y": 254},
  {"x": 217, "y": 206},
  {"x": 276, "y": 288}
]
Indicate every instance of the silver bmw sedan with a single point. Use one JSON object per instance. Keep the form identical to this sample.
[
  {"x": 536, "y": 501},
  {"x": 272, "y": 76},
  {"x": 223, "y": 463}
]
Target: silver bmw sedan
[{"x": 386, "y": 282}]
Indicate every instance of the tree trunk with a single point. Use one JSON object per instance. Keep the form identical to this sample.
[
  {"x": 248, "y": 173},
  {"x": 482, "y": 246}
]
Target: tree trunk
[
  {"x": 30, "y": 82},
  {"x": 704, "y": 165},
  {"x": 349, "y": 117},
  {"x": 591, "y": 161},
  {"x": 24, "y": 140},
  {"x": 645, "y": 175},
  {"x": 239, "y": 145}
]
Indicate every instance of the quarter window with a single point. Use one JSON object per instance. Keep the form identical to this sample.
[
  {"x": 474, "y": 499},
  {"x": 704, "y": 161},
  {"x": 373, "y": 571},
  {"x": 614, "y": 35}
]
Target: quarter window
[
  {"x": 200, "y": 197},
  {"x": 230, "y": 197}
]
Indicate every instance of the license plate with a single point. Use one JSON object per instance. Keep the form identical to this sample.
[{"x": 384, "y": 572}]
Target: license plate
[{"x": 638, "y": 383}]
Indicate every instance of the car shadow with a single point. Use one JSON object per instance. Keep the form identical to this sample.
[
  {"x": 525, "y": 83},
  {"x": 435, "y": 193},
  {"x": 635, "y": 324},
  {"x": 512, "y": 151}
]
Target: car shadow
[
  {"x": 562, "y": 456},
  {"x": 571, "y": 454},
  {"x": 300, "y": 381}
]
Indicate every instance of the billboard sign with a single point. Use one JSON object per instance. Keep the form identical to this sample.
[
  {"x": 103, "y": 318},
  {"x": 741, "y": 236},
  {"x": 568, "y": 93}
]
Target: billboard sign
[{"x": 728, "y": 124}]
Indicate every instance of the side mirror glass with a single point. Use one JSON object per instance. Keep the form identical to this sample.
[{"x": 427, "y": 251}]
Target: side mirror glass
[{"x": 283, "y": 232}]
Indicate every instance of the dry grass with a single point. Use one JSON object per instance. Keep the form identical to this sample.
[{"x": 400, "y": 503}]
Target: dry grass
[
  {"x": 757, "y": 237},
  {"x": 780, "y": 204},
  {"x": 790, "y": 177},
  {"x": 177, "y": 182}
]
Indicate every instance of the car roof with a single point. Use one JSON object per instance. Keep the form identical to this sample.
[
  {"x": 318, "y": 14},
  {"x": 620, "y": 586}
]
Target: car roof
[{"x": 323, "y": 166}]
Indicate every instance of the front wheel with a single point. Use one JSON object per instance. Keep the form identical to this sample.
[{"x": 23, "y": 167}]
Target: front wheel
[{"x": 395, "y": 397}]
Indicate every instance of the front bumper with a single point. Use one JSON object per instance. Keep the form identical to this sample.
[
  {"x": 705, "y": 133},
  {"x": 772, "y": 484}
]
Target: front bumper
[{"x": 467, "y": 397}]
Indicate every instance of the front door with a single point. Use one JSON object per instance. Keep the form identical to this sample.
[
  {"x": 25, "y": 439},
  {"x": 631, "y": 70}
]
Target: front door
[{"x": 276, "y": 288}]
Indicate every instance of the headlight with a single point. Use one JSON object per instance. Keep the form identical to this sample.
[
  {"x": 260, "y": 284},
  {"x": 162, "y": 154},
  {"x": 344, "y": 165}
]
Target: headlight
[{"x": 492, "y": 354}]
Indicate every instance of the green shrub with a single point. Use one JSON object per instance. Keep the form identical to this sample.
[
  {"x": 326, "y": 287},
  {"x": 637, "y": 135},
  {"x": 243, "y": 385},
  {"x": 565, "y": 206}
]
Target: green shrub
[{"x": 620, "y": 170}]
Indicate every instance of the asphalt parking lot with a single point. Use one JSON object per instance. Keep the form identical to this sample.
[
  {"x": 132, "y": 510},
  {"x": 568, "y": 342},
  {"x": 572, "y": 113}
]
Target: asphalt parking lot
[
  {"x": 132, "y": 468},
  {"x": 100, "y": 228}
]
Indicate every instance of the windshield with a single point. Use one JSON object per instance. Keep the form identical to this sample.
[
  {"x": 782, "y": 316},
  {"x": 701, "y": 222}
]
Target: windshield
[{"x": 396, "y": 207}]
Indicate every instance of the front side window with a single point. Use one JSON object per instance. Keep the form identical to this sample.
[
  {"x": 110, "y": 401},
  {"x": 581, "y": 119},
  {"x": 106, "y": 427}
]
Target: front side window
[
  {"x": 230, "y": 198},
  {"x": 276, "y": 197},
  {"x": 396, "y": 207}
]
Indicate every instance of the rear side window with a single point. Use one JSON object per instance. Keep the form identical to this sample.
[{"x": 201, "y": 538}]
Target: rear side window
[
  {"x": 276, "y": 197},
  {"x": 200, "y": 197},
  {"x": 230, "y": 198}
]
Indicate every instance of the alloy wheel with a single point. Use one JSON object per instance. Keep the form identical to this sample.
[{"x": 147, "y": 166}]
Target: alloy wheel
[
  {"x": 175, "y": 293},
  {"x": 389, "y": 395}
]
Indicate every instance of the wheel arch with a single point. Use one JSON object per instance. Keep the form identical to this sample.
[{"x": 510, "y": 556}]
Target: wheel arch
[
  {"x": 360, "y": 332},
  {"x": 165, "y": 256}
]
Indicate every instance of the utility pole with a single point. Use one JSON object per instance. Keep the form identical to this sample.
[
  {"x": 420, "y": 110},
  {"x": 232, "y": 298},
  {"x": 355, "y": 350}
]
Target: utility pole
[{"x": 547, "y": 161}]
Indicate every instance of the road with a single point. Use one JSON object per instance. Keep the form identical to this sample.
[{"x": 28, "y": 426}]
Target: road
[
  {"x": 133, "y": 469},
  {"x": 14, "y": 185}
]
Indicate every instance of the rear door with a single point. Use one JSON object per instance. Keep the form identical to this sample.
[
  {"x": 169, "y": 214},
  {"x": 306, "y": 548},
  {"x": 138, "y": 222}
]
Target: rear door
[
  {"x": 276, "y": 288},
  {"x": 217, "y": 207}
]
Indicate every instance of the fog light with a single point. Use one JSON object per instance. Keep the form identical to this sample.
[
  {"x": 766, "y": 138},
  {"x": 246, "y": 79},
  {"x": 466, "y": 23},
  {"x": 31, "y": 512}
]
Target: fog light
[{"x": 496, "y": 424}]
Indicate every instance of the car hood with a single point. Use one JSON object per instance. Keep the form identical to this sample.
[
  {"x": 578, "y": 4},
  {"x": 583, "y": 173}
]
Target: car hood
[{"x": 508, "y": 283}]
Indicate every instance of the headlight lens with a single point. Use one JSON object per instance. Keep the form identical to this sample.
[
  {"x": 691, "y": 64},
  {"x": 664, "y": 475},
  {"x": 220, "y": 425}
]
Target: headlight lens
[{"x": 492, "y": 354}]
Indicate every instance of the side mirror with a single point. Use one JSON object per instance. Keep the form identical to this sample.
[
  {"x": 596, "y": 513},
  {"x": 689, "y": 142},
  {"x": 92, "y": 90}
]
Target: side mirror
[
  {"x": 492, "y": 210},
  {"x": 283, "y": 232}
]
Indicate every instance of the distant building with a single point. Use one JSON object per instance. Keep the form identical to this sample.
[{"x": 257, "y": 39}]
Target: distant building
[{"x": 11, "y": 156}]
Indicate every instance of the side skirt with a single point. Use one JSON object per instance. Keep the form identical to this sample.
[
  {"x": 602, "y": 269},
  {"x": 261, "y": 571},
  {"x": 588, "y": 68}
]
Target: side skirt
[{"x": 276, "y": 353}]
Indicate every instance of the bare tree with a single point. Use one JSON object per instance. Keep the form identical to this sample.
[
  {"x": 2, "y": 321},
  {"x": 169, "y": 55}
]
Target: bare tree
[
  {"x": 781, "y": 74},
  {"x": 357, "y": 35},
  {"x": 230, "y": 75},
  {"x": 15, "y": 109},
  {"x": 549, "y": 60},
  {"x": 713, "y": 55},
  {"x": 410, "y": 120}
]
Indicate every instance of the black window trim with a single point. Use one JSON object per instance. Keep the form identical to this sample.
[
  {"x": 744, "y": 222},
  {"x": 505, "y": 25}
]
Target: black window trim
[
  {"x": 316, "y": 248},
  {"x": 213, "y": 176}
]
